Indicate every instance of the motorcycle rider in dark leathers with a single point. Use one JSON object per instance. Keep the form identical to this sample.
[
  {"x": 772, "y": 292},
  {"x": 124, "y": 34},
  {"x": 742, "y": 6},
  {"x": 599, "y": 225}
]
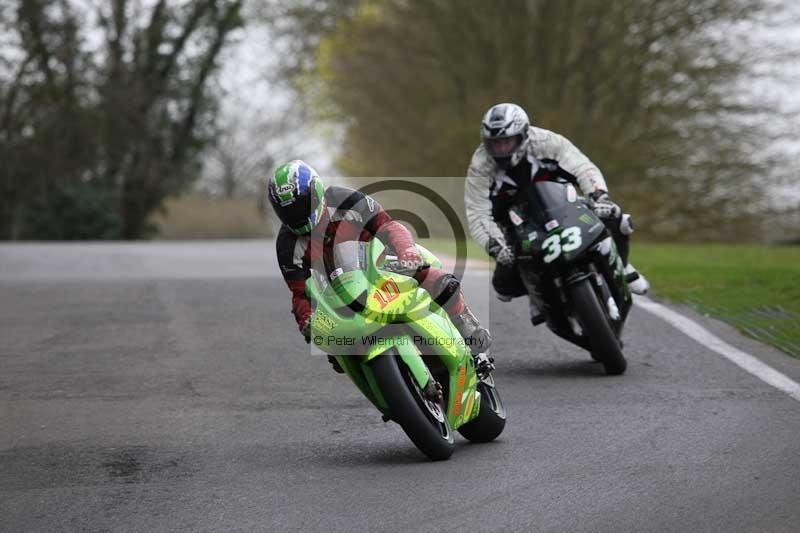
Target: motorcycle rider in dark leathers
[{"x": 315, "y": 218}]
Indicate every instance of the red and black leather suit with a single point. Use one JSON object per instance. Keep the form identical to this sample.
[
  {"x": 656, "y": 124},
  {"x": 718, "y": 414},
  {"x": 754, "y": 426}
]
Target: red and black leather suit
[{"x": 351, "y": 215}]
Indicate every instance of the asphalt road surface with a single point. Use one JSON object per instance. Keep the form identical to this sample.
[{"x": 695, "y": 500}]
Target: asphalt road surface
[{"x": 150, "y": 387}]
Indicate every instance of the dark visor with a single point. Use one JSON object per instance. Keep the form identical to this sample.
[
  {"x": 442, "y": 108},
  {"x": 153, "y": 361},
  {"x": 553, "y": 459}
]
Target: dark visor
[
  {"x": 502, "y": 146},
  {"x": 295, "y": 215}
]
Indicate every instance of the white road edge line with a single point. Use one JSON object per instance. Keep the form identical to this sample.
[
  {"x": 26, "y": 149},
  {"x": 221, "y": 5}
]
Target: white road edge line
[{"x": 741, "y": 359}]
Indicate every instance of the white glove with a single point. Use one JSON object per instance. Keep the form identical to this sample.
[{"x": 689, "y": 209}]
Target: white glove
[
  {"x": 604, "y": 207},
  {"x": 503, "y": 254}
]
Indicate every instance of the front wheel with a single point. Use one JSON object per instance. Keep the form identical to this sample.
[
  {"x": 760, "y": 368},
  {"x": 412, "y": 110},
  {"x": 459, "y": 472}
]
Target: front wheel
[
  {"x": 596, "y": 326},
  {"x": 491, "y": 419},
  {"x": 424, "y": 421}
]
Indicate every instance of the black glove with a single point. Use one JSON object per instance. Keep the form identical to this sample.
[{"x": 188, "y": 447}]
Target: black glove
[
  {"x": 603, "y": 207},
  {"x": 501, "y": 252}
]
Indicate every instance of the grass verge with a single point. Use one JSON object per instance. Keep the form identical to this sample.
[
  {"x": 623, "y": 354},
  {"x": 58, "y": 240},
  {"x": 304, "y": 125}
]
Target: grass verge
[
  {"x": 448, "y": 247},
  {"x": 754, "y": 288}
]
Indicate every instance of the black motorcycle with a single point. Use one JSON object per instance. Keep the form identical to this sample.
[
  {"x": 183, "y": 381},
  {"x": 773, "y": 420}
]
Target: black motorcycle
[{"x": 569, "y": 262}]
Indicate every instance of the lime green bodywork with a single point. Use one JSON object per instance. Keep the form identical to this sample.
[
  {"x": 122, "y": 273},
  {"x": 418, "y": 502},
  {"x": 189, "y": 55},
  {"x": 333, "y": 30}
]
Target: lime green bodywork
[{"x": 397, "y": 314}]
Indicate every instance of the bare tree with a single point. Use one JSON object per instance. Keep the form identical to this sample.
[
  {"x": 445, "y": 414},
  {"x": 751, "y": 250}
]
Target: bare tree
[
  {"x": 108, "y": 130},
  {"x": 248, "y": 145}
]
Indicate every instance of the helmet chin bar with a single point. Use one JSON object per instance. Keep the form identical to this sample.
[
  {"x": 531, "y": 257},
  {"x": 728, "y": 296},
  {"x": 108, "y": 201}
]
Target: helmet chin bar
[
  {"x": 503, "y": 162},
  {"x": 304, "y": 230}
]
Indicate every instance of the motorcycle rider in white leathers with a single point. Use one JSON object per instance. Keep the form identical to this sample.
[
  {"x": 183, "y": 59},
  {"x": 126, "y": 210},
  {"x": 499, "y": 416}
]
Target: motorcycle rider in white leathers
[{"x": 513, "y": 149}]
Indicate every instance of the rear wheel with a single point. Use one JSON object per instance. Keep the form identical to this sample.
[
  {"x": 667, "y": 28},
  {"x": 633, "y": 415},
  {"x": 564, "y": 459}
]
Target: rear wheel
[
  {"x": 491, "y": 419},
  {"x": 424, "y": 421},
  {"x": 605, "y": 345}
]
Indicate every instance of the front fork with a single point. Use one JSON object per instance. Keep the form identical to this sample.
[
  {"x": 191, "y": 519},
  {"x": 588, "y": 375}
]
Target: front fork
[
  {"x": 360, "y": 371},
  {"x": 610, "y": 272},
  {"x": 463, "y": 397}
]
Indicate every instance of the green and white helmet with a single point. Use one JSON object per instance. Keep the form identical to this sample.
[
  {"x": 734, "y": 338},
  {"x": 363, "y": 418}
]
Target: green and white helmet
[{"x": 297, "y": 195}]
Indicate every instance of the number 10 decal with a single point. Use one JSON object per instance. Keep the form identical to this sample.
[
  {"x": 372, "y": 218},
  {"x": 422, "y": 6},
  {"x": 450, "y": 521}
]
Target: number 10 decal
[
  {"x": 387, "y": 292},
  {"x": 567, "y": 241}
]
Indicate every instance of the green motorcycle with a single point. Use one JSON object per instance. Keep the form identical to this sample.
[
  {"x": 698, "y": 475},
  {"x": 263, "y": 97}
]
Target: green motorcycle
[{"x": 401, "y": 349}]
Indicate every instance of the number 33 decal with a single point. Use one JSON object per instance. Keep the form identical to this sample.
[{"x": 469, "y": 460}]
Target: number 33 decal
[{"x": 568, "y": 240}]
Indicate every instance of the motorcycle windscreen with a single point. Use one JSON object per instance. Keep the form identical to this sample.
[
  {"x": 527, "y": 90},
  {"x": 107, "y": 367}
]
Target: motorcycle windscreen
[
  {"x": 348, "y": 276},
  {"x": 554, "y": 195},
  {"x": 557, "y": 199}
]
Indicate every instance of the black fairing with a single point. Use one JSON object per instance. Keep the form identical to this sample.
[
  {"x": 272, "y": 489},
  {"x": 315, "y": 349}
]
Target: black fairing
[{"x": 546, "y": 209}]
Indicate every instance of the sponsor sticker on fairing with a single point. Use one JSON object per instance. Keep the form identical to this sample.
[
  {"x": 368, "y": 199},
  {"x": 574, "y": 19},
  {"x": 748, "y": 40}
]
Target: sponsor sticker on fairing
[
  {"x": 515, "y": 218},
  {"x": 572, "y": 195},
  {"x": 323, "y": 321},
  {"x": 336, "y": 273},
  {"x": 553, "y": 224}
]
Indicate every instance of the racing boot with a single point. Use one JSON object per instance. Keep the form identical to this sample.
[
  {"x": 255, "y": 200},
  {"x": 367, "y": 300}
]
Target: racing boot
[
  {"x": 637, "y": 283},
  {"x": 537, "y": 315},
  {"x": 477, "y": 337}
]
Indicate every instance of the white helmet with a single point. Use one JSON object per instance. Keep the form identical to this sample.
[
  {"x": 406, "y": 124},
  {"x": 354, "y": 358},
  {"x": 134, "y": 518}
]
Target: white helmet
[{"x": 503, "y": 130}]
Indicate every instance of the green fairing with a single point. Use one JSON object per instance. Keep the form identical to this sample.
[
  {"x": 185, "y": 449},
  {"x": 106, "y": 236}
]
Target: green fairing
[{"x": 395, "y": 314}]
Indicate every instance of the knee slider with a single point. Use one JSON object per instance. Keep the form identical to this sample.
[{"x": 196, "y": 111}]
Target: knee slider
[{"x": 446, "y": 287}]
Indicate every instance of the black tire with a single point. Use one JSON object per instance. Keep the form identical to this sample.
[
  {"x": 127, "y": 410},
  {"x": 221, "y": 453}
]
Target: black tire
[
  {"x": 430, "y": 431},
  {"x": 605, "y": 345},
  {"x": 491, "y": 419}
]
